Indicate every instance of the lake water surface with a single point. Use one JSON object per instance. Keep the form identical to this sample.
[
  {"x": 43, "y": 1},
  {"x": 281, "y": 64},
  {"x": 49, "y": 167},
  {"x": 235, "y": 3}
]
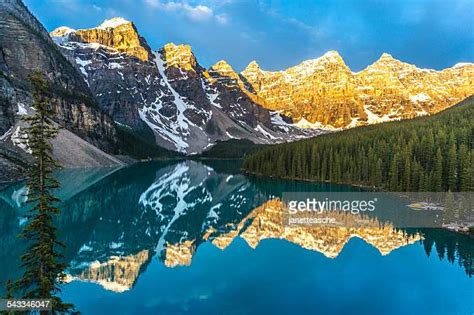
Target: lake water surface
[{"x": 185, "y": 237}]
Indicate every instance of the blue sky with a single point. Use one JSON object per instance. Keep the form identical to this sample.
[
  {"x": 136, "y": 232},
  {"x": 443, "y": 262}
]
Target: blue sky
[{"x": 279, "y": 34}]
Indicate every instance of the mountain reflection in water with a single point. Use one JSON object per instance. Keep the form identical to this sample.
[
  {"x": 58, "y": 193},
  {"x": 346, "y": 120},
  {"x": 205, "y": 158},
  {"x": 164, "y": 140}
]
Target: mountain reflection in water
[{"x": 115, "y": 222}]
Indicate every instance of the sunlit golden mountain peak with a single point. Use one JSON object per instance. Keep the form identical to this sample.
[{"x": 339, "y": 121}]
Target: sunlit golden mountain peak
[
  {"x": 115, "y": 34},
  {"x": 179, "y": 56}
]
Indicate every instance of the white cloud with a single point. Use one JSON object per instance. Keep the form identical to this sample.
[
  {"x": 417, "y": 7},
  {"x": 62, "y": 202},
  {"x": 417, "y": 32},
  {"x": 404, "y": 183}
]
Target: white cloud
[
  {"x": 196, "y": 13},
  {"x": 222, "y": 18}
]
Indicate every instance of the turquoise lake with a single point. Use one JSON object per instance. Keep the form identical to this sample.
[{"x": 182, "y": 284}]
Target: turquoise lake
[{"x": 189, "y": 237}]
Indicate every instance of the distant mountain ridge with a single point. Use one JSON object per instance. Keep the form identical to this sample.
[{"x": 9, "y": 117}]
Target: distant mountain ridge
[{"x": 325, "y": 92}]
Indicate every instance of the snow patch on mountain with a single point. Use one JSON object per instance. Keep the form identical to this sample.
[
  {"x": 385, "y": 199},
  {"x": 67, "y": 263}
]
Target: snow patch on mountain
[
  {"x": 420, "y": 97},
  {"x": 21, "y": 110},
  {"x": 182, "y": 122},
  {"x": 463, "y": 64},
  {"x": 115, "y": 65},
  {"x": 176, "y": 129},
  {"x": 19, "y": 138},
  {"x": 7, "y": 134},
  {"x": 231, "y": 136},
  {"x": 277, "y": 120},
  {"x": 82, "y": 66},
  {"x": 211, "y": 94},
  {"x": 305, "y": 124},
  {"x": 264, "y": 132},
  {"x": 152, "y": 118},
  {"x": 373, "y": 118}
]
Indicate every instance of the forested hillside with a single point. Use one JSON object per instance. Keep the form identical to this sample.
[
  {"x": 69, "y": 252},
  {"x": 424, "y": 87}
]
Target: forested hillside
[{"x": 433, "y": 153}]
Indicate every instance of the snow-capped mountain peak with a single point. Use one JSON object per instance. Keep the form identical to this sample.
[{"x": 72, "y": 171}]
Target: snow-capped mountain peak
[
  {"x": 386, "y": 56},
  {"x": 222, "y": 67},
  {"x": 332, "y": 56},
  {"x": 61, "y": 34},
  {"x": 113, "y": 23},
  {"x": 252, "y": 66},
  {"x": 179, "y": 56},
  {"x": 62, "y": 31},
  {"x": 115, "y": 34}
]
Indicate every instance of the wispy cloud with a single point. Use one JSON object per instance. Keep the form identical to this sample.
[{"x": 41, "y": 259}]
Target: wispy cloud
[{"x": 196, "y": 13}]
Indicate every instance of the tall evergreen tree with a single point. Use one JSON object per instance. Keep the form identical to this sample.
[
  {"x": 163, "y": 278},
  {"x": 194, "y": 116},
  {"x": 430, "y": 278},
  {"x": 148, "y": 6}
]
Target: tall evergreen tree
[
  {"x": 43, "y": 271},
  {"x": 452, "y": 168},
  {"x": 464, "y": 164},
  {"x": 438, "y": 172},
  {"x": 378, "y": 173},
  {"x": 393, "y": 174}
]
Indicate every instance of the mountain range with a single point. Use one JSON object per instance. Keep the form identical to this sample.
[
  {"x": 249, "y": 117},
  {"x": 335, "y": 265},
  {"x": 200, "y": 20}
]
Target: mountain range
[
  {"x": 110, "y": 90},
  {"x": 187, "y": 107},
  {"x": 324, "y": 92}
]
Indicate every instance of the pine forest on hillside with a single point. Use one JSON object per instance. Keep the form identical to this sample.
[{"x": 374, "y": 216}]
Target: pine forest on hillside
[{"x": 433, "y": 153}]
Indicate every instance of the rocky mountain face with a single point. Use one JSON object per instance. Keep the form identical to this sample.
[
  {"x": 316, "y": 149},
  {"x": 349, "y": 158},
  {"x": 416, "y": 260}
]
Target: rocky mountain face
[
  {"x": 325, "y": 92},
  {"x": 187, "y": 107},
  {"x": 25, "y": 46}
]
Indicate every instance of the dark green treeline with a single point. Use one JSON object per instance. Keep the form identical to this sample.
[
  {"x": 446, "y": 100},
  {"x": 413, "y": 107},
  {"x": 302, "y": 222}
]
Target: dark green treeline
[{"x": 424, "y": 154}]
